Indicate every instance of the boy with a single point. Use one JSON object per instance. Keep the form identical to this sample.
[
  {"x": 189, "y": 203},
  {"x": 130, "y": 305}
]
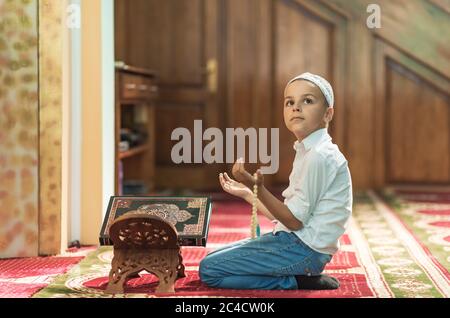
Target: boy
[{"x": 315, "y": 211}]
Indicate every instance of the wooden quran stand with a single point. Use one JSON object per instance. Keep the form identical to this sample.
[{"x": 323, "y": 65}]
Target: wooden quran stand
[{"x": 144, "y": 242}]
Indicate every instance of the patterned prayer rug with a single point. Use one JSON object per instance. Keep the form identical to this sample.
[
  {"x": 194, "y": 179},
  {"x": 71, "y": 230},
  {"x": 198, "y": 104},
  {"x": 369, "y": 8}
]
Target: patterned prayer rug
[
  {"x": 426, "y": 216},
  {"x": 407, "y": 266},
  {"x": 379, "y": 257},
  {"x": 21, "y": 278}
]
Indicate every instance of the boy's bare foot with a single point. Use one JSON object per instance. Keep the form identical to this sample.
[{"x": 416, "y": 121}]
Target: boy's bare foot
[{"x": 320, "y": 282}]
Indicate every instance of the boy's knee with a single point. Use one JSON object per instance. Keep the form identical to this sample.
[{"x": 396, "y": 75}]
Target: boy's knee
[
  {"x": 203, "y": 268},
  {"x": 206, "y": 272}
]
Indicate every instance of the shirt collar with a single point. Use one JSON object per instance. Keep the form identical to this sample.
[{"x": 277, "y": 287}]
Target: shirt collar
[{"x": 312, "y": 139}]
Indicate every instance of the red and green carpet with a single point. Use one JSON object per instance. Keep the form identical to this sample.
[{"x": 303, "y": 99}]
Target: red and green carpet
[
  {"x": 381, "y": 255},
  {"x": 21, "y": 278}
]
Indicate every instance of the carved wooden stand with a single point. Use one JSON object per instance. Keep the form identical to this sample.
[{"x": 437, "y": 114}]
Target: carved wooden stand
[{"x": 144, "y": 242}]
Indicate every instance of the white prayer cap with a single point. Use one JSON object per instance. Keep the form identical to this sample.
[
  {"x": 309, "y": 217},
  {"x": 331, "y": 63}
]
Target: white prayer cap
[{"x": 322, "y": 83}]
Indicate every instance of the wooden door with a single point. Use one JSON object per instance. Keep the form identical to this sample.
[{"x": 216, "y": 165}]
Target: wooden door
[{"x": 178, "y": 39}]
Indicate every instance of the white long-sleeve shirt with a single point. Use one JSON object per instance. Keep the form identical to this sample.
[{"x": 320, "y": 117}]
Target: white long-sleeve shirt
[{"x": 319, "y": 192}]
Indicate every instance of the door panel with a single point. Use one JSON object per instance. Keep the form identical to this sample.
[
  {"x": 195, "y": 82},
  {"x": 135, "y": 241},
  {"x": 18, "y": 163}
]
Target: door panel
[
  {"x": 412, "y": 120},
  {"x": 417, "y": 129},
  {"x": 168, "y": 36}
]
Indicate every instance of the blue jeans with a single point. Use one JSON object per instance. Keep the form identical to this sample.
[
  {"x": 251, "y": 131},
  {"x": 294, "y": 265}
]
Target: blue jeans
[{"x": 268, "y": 262}]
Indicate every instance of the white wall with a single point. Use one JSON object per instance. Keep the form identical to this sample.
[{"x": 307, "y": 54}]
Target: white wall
[
  {"x": 108, "y": 100},
  {"x": 75, "y": 133}
]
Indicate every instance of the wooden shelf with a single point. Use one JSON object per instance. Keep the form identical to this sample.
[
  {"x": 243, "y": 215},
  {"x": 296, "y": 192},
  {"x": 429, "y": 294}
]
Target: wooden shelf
[
  {"x": 136, "y": 93},
  {"x": 133, "y": 151}
]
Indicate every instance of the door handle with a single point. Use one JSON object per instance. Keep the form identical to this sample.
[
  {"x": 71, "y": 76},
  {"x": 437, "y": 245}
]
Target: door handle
[{"x": 212, "y": 75}]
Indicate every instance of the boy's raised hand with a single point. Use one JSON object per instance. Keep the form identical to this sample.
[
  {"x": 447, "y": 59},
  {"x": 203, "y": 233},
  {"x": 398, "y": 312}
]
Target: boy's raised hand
[
  {"x": 233, "y": 187},
  {"x": 244, "y": 177}
]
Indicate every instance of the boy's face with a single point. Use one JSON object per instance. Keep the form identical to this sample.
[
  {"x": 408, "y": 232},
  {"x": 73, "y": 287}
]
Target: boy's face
[{"x": 305, "y": 108}]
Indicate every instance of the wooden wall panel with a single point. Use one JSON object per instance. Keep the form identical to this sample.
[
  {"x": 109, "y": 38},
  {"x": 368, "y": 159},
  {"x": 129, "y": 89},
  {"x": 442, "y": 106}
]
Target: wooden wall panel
[
  {"x": 188, "y": 54},
  {"x": 418, "y": 129},
  {"x": 269, "y": 42},
  {"x": 241, "y": 49},
  {"x": 412, "y": 139},
  {"x": 263, "y": 43},
  {"x": 413, "y": 26},
  {"x": 168, "y": 38},
  {"x": 302, "y": 42},
  {"x": 169, "y": 118},
  {"x": 121, "y": 30},
  {"x": 248, "y": 65},
  {"x": 359, "y": 123},
  {"x": 411, "y": 34}
]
